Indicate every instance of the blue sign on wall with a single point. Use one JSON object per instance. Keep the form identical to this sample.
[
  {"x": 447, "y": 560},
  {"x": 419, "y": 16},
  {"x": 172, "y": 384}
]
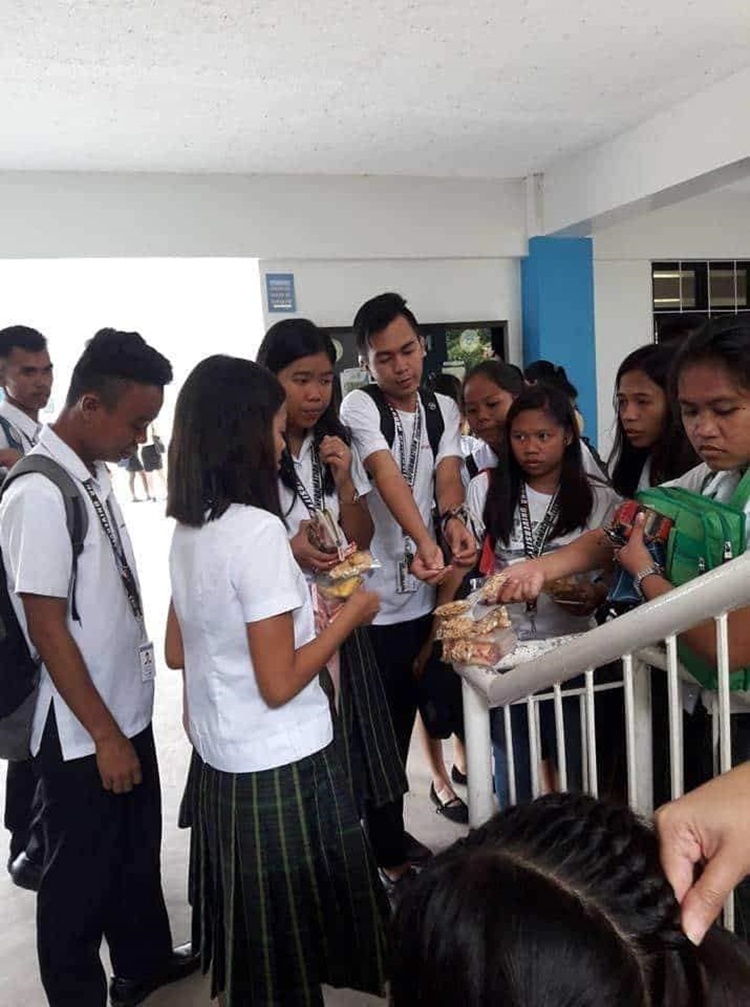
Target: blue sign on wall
[{"x": 280, "y": 293}]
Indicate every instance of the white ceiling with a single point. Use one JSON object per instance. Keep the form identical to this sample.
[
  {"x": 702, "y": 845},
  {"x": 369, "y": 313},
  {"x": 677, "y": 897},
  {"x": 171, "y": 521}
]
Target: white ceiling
[{"x": 420, "y": 87}]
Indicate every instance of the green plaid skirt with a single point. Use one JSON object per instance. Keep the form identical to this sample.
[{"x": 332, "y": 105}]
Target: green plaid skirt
[
  {"x": 363, "y": 729},
  {"x": 283, "y": 886}
]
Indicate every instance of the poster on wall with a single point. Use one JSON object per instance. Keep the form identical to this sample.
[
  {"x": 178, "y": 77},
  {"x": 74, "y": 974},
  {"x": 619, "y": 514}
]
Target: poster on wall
[
  {"x": 280, "y": 294},
  {"x": 465, "y": 347}
]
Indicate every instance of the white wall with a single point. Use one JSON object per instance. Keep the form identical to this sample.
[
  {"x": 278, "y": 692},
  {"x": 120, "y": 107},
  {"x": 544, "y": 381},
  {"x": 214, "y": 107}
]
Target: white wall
[
  {"x": 715, "y": 226},
  {"x": 330, "y": 292}
]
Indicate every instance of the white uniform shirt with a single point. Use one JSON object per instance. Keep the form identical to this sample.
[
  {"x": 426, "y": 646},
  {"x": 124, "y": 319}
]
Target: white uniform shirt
[
  {"x": 38, "y": 559},
  {"x": 551, "y": 619},
  {"x": 360, "y": 414},
  {"x": 293, "y": 508},
  {"x": 233, "y": 571},
  {"x": 25, "y": 430}
]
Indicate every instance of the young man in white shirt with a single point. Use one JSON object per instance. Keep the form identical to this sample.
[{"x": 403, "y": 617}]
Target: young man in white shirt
[
  {"x": 408, "y": 478},
  {"x": 26, "y": 381},
  {"x": 91, "y": 739}
]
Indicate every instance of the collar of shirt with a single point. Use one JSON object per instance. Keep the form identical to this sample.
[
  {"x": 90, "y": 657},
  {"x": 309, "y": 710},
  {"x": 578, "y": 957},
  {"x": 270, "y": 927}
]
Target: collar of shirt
[
  {"x": 305, "y": 450},
  {"x": 56, "y": 448},
  {"x": 18, "y": 418}
]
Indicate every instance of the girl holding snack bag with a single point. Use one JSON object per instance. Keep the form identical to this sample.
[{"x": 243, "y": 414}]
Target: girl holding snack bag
[
  {"x": 283, "y": 886},
  {"x": 538, "y": 502},
  {"x": 323, "y": 489}
]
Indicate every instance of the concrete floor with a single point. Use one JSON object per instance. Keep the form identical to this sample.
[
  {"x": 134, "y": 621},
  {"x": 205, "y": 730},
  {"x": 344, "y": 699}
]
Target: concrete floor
[{"x": 19, "y": 977}]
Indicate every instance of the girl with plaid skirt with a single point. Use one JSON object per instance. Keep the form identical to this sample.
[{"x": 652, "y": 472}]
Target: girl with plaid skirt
[{"x": 283, "y": 886}]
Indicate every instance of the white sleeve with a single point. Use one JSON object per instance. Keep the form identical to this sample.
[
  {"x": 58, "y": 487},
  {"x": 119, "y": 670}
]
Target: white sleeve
[
  {"x": 3, "y": 439},
  {"x": 35, "y": 539},
  {"x": 360, "y": 414},
  {"x": 476, "y": 495},
  {"x": 264, "y": 572},
  {"x": 606, "y": 501},
  {"x": 450, "y": 442},
  {"x": 361, "y": 480}
]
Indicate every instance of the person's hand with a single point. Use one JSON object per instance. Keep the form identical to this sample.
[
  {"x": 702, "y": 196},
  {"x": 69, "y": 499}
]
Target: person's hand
[
  {"x": 709, "y": 825},
  {"x": 524, "y": 582},
  {"x": 118, "y": 764},
  {"x": 337, "y": 455},
  {"x": 308, "y": 557},
  {"x": 588, "y": 597},
  {"x": 634, "y": 556},
  {"x": 363, "y": 606},
  {"x": 428, "y": 564},
  {"x": 461, "y": 543}
]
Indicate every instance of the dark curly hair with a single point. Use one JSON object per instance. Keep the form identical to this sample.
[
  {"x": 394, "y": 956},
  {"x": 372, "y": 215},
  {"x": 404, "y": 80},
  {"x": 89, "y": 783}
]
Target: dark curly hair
[
  {"x": 562, "y": 901},
  {"x": 112, "y": 360}
]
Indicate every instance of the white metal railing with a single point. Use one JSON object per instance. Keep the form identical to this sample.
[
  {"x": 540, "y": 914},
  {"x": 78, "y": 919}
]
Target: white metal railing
[{"x": 643, "y": 639}]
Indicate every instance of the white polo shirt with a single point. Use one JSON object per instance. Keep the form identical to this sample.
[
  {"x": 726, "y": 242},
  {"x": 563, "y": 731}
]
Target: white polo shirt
[
  {"x": 360, "y": 414},
  {"x": 230, "y": 572},
  {"x": 38, "y": 558},
  {"x": 25, "y": 430},
  {"x": 293, "y": 508}
]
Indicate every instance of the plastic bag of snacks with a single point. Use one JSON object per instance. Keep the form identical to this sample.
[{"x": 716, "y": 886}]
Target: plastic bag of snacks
[
  {"x": 475, "y": 631},
  {"x": 342, "y": 580}
]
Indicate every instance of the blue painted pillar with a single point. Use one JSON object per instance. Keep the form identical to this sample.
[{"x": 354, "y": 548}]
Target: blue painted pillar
[{"x": 557, "y": 292}]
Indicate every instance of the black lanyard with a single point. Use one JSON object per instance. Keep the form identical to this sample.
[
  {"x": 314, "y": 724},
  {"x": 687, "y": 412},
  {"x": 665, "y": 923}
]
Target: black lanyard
[
  {"x": 533, "y": 545},
  {"x": 410, "y": 465},
  {"x": 315, "y": 502},
  {"x": 123, "y": 567}
]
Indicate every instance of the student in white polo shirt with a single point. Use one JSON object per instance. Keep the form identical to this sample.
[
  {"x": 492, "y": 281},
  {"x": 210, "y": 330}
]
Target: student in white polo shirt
[
  {"x": 92, "y": 739},
  {"x": 408, "y": 479},
  {"x": 26, "y": 382}
]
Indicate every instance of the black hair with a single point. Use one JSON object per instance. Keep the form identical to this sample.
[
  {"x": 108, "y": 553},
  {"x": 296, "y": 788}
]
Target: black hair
[
  {"x": 508, "y": 377},
  {"x": 445, "y": 384},
  {"x": 376, "y": 315},
  {"x": 21, "y": 337},
  {"x": 575, "y": 495},
  {"x": 285, "y": 342},
  {"x": 671, "y": 456},
  {"x": 561, "y": 901},
  {"x": 724, "y": 341},
  {"x": 222, "y": 449},
  {"x": 546, "y": 373},
  {"x": 111, "y": 361}
]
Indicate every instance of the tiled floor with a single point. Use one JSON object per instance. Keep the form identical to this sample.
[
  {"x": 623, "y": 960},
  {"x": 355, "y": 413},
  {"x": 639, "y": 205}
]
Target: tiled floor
[{"x": 19, "y": 978}]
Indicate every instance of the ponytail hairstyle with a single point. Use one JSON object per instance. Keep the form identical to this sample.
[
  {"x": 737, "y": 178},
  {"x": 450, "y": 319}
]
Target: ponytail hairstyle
[
  {"x": 562, "y": 901},
  {"x": 671, "y": 455},
  {"x": 285, "y": 342},
  {"x": 544, "y": 372},
  {"x": 575, "y": 495}
]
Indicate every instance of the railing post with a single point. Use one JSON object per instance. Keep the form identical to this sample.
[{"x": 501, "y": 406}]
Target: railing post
[
  {"x": 644, "y": 760},
  {"x": 478, "y": 755}
]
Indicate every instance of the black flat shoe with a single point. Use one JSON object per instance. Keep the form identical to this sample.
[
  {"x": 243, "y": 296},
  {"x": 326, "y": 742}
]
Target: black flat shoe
[
  {"x": 416, "y": 853},
  {"x": 454, "y": 810},
  {"x": 131, "y": 992},
  {"x": 458, "y": 777},
  {"x": 25, "y": 873}
]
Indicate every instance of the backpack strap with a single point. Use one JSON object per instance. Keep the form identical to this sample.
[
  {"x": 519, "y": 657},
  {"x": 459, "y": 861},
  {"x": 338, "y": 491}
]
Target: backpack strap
[
  {"x": 387, "y": 424},
  {"x": 741, "y": 495},
  {"x": 434, "y": 420},
  {"x": 76, "y": 515},
  {"x": 471, "y": 466},
  {"x": 13, "y": 443}
]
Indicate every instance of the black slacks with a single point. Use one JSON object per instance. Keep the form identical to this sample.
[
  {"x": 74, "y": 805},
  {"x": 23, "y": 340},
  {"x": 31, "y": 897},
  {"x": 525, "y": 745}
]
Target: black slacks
[
  {"x": 102, "y": 875},
  {"x": 22, "y": 806},
  {"x": 396, "y": 648}
]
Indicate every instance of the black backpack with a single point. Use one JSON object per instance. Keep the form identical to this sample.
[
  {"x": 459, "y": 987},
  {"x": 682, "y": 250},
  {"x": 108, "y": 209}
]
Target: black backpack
[
  {"x": 19, "y": 671},
  {"x": 433, "y": 416}
]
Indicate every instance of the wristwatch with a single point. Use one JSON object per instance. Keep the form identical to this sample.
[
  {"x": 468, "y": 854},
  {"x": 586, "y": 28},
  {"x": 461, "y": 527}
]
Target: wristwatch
[{"x": 650, "y": 571}]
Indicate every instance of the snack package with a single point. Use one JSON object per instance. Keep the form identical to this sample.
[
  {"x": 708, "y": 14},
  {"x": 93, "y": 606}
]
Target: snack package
[
  {"x": 568, "y": 590},
  {"x": 325, "y": 533},
  {"x": 344, "y": 579},
  {"x": 490, "y": 590},
  {"x": 453, "y": 608},
  {"x": 656, "y": 528},
  {"x": 486, "y": 651}
]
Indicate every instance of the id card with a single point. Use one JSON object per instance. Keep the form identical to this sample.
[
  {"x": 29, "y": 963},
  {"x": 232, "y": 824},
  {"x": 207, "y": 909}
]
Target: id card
[
  {"x": 406, "y": 582},
  {"x": 148, "y": 663}
]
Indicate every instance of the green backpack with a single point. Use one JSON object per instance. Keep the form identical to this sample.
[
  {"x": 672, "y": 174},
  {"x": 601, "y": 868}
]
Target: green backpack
[{"x": 705, "y": 534}]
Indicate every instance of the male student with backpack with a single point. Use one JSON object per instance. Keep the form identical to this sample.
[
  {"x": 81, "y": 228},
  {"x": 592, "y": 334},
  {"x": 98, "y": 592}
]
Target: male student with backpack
[
  {"x": 410, "y": 444},
  {"x": 26, "y": 381},
  {"x": 91, "y": 736}
]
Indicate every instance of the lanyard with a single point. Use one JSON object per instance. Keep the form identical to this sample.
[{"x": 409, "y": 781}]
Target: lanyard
[
  {"x": 410, "y": 466},
  {"x": 315, "y": 502},
  {"x": 123, "y": 567},
  {"x": 533, "y": 545}
]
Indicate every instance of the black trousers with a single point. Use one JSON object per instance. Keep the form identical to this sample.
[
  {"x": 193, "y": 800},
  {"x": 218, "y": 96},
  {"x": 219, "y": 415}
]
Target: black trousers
[
  {"x": 396, "y": 648},
  {"x": 22, "y": 807},
  {"x": 102, "y": 875}
]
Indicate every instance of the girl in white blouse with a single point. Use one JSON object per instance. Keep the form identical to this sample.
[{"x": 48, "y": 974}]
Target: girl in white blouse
[{"x": 284, "y": 890}]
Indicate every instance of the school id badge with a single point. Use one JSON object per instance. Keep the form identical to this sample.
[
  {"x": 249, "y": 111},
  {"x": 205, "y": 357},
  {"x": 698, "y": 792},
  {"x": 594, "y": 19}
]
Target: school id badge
[
  {"x": 147, "y": 661},
  {"x": 406, "y": 582}
]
